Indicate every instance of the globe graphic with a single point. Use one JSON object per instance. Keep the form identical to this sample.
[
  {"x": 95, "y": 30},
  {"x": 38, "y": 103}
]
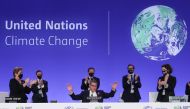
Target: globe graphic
[{"x": 158, "y": 33}]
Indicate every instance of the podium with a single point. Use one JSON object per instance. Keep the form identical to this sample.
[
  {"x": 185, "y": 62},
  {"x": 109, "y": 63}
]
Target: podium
[
  {"x": 178, "y": 98},
  {"x": 153, "y": 96}
]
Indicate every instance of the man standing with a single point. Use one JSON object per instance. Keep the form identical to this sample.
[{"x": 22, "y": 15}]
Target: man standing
[
  {"x": 92, "y": 95},
  {"x": 131, "y": 85},
  {"x": 187, "y": 90},
  {"x": 39, "y": 89},
  {"x": 86, "y": 81}
]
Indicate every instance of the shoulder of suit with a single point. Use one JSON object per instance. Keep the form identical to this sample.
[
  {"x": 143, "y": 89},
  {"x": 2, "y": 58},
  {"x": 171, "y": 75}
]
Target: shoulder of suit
[
  {"x": 85, "y": 91},
  {"x": 100, "y": 91},
  {"x": 44, "y": 81},
  {"x": 125, "y": 76},
  {"x": 172, "y": 76},
  {"x": 96, "y": 77},
  {"x": 160, "y": 77},
  {"x": 13, "y": 79}
]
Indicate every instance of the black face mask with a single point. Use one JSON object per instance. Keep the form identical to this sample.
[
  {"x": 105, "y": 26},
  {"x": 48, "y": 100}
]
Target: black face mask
[
  {"x": 91, "y": 74},
  {"x": 130, "y": 71},
  {"x": 39, "y": 77},
  {"x": 20, "y": 76}
]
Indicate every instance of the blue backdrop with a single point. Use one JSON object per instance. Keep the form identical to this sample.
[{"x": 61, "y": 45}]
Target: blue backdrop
[{"x": 62, "y": 65}]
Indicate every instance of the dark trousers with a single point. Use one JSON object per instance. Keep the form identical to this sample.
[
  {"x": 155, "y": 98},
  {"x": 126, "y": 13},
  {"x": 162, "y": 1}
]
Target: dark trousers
[
  {"x": 131, "y": 98},
  {"x": 163, "y": 98}
]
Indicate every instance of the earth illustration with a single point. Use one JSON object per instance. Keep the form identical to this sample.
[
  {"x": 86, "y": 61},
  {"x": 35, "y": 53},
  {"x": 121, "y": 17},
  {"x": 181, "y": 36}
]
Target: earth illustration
[{"x": 158, "y": 33}]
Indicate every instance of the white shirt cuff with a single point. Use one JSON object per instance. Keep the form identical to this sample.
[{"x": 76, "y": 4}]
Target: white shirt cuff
[
  {"x": 70, "y": 93},
  {"x": 42, "y": 86},
  {"x": 39, "y": 87},
  {"x": 159, "y": 87}
]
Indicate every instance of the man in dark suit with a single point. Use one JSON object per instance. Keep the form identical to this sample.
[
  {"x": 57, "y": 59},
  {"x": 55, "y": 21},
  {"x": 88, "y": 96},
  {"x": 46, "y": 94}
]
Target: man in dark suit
[
  {"x": 39, "y": 89},
  {"x": 92, "y": 95},
  {"x": 86, "y": 81},
  {"x": 131, "y": 84},
  {"x": 187, "y": 90},
  {"x": 18, "y": 87},
  {"x": 166, "y": 84}
]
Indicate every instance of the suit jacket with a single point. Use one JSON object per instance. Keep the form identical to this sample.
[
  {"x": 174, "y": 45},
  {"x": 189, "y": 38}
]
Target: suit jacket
[
  {"x": 127, "y": 96},
  {"x": 187, "y": 91},
  {"x": 84, "y": 95},
  {"x": 86, "y": 86},
  {"x": 18, "y": 91},
  {"x": 37, "y": 97},
  {"x": 169, "y": 91}
]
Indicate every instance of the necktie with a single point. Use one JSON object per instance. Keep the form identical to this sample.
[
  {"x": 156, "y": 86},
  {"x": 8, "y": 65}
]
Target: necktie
[{"x": 132, "y": 79}]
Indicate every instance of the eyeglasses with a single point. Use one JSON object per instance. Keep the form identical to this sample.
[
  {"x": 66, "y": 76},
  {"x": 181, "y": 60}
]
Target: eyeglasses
[{"x": 93, "y": 85}]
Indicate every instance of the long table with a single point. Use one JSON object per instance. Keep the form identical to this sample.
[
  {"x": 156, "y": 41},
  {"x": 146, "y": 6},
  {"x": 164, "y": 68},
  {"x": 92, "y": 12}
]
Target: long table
[{"x": 95, "y": 106}]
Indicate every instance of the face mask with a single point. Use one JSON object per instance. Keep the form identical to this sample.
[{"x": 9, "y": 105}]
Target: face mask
[
  {"x": 91, "y": 74},
  {"x": 39, "y": 77},
  {"x": 130, "y": 71},
  {"x": 20, "y": 76}
]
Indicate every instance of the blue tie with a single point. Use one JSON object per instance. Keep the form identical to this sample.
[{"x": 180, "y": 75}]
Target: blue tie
[{"x": 132, "y": 79}]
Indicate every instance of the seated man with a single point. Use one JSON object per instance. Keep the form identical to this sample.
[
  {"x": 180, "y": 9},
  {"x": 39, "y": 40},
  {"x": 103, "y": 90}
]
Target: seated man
[{"x": 92, "y": 95}]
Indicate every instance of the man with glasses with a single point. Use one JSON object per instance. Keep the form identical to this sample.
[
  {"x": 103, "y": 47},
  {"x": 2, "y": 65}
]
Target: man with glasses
[{"x": 92, "y": 95}]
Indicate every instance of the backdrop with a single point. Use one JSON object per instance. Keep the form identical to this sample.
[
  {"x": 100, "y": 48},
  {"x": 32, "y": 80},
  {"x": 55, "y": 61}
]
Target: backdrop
[{"x": 109, "y": 49}]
